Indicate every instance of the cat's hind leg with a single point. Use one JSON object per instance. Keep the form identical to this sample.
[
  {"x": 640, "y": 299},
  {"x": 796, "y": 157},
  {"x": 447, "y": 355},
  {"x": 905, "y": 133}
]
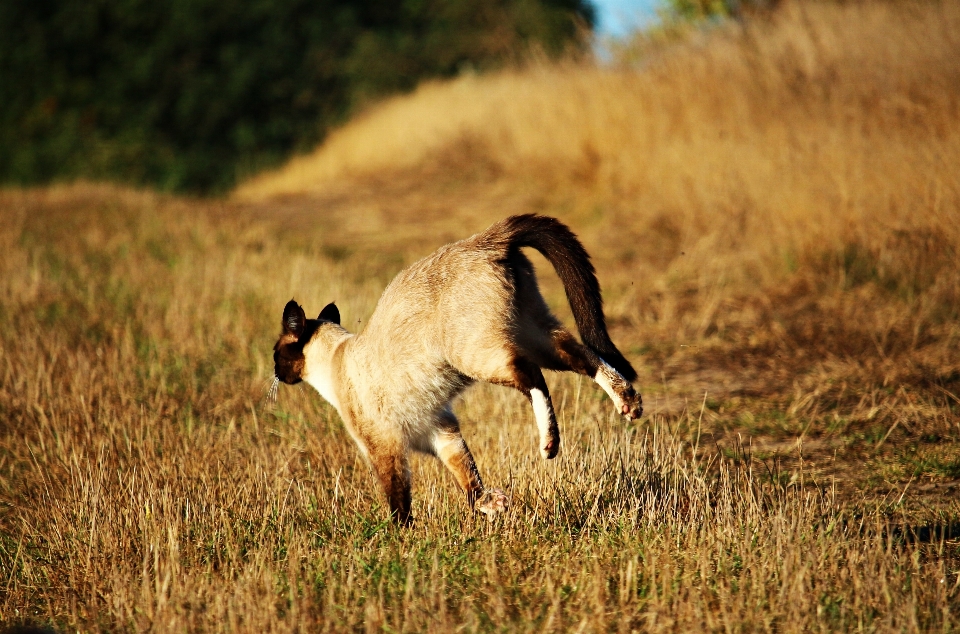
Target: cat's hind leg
[
  {"x": 528, "y": 379},
  {"x": 510, "y": 366},
  {"x": 573, "y": 355}
]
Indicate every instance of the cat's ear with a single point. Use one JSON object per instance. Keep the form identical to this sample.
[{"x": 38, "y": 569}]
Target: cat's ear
[
  {"x": 330, "y": 313},
  {"x": 294, "y": 319}
]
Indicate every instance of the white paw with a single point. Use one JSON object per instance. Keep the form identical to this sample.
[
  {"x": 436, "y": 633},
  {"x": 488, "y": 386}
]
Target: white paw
[
  {"x": 631, "y": 406},
  {"x": 551, "y": 450},
  {"x": 492, "y": 503}
]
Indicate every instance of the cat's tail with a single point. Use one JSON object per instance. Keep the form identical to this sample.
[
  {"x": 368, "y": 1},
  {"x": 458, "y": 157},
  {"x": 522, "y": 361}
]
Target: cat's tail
[{"x": 561, "y": 247}]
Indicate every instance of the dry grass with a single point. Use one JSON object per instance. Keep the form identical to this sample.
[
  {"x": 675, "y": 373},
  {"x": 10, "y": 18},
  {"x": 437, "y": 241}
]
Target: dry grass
[
  {"x": 775, "y": 215},
  {"x": 832, "y": 124}
]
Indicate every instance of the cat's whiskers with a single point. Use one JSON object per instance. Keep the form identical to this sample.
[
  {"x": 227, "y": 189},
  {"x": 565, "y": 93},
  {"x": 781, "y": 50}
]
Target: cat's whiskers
[{"x": 270, "y": 392}]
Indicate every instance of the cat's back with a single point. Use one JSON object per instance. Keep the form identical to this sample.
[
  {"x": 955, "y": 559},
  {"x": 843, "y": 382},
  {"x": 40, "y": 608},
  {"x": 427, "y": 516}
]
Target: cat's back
[
  {"x": 459, "y": 277},
  {"x": 437, "y": 318}
]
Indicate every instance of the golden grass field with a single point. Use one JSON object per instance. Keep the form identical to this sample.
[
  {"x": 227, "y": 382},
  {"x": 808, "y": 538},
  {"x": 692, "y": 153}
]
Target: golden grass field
[{"x": 774, "y": 212}]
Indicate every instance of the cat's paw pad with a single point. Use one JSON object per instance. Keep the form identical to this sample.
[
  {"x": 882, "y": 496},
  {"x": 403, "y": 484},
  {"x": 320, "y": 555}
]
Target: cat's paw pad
[
  {"x": 551, "y": 450},
  {"x": 492, "y": 503},
  {"x": 632, "y": 406}
]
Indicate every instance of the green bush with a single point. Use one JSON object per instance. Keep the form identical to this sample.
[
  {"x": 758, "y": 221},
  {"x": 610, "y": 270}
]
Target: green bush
[{"x": 189, "y": 95}]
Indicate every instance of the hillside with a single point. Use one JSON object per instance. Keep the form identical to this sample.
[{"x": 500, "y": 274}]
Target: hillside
[{"x": 773, "y": 209}]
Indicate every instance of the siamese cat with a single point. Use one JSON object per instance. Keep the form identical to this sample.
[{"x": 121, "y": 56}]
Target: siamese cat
[{"x": 471, "y": 311}]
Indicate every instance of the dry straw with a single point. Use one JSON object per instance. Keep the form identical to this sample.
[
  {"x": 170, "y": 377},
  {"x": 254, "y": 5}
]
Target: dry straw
[{"x": 773, "y": 210}]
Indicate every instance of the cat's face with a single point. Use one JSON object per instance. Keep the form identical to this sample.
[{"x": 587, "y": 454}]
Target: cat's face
[{"x": 288, "y": 356}]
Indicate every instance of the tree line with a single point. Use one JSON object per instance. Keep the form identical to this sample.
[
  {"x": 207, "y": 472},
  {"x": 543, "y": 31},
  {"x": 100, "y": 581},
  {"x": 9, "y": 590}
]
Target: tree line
[{"x": 190, "y": 95}]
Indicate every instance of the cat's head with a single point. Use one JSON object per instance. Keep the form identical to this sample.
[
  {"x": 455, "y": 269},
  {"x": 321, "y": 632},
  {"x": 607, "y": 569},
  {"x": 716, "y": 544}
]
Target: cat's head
[{"x": 288, "y": 353}]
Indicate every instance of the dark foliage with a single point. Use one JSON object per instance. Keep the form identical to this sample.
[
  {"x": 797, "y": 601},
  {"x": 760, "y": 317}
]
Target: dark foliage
[{"x": 190, "y": 94}]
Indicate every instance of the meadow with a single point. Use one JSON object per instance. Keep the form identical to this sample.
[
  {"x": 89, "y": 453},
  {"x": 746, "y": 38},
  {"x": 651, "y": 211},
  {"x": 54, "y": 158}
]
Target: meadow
[{"x": 773, "y": 209}]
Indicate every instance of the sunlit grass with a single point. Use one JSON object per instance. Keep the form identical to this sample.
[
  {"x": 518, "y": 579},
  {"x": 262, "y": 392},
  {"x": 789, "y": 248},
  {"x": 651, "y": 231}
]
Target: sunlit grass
[{"x": 774, "y": 218}]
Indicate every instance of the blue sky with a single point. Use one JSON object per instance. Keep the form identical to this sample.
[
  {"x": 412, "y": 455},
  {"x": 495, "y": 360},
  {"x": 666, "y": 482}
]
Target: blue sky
[{"x": 619, "y": 17}]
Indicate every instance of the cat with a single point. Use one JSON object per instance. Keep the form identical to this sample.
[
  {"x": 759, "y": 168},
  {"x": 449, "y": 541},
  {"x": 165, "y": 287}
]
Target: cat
[{"x": 471, "y": 311}]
